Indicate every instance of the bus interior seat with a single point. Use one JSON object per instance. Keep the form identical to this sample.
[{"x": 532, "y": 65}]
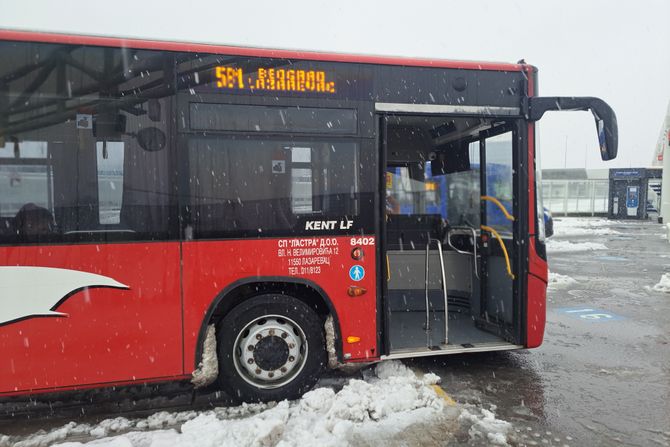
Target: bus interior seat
[
  {"x": 7, "y": 227},
  {"x": 33, "y": 220},
  {"x": 411, "y": 232}
]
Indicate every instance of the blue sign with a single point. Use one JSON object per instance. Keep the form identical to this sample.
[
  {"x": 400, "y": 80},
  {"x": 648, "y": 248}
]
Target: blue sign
[
  {"x": 590, "y": 314},
  {"x": 356, "y": 273},
  {"x": 626, "y": 173}
]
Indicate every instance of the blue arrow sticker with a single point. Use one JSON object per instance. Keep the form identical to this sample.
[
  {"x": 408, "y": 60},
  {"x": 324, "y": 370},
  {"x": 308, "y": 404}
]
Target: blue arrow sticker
[{"x": 356, "y": 273}]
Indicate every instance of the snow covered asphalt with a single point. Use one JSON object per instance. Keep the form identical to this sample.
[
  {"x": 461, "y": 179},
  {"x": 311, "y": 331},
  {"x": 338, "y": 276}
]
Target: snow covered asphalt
[{"x": 389, "y": 403}]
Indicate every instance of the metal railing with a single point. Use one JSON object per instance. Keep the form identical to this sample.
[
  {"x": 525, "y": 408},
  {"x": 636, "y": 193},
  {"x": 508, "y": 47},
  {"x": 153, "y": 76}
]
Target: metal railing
[
  {"x": 438, "y": 243},
  {"x": 576, "y": 197}
]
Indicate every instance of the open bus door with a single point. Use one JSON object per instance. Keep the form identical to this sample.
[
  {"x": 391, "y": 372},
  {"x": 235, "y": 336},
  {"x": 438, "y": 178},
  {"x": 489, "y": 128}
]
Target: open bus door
[
  {"x": 447, "y": 246},
  {"x": 499, "y": 302}
]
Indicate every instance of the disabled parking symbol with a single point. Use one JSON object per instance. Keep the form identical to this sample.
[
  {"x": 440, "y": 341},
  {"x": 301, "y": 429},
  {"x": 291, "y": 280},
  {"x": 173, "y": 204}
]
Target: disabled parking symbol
[
  {"x": 590, "y": 314},
  {"x": 356, "y": 273}
]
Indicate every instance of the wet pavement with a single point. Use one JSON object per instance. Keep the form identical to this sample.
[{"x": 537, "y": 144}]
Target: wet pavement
[{"x": 602, "y": 375}]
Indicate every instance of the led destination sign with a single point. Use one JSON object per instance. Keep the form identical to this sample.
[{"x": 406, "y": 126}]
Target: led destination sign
[{"x": 274, "y": 79}]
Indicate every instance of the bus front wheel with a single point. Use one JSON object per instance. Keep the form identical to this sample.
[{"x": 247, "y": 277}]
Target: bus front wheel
[{"x": 270, "y": 347}]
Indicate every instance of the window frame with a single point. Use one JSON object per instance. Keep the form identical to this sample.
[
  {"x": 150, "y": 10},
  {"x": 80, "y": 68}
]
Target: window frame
[
  {"x": 364, "y": 137},
  {"x": 367, "y": 184}
]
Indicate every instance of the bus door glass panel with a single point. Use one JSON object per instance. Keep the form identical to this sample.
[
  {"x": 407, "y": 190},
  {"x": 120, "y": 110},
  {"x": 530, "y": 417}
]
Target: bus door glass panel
[
  {"x": 497, "y": 303},
  {"x": 463, "y": 193},
  {"x": 499, "y": 186}
]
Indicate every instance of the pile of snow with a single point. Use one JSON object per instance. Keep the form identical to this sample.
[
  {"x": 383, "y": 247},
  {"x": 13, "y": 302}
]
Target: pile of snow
[
  {"x": 558, "y": 281},
  {"x": 208, "y": 369},
  {"x": 365, "y": 411},
  {"x": 486, "y": 427},
  {"x": 567, "y": 246},
  {"x": 663, "y": 285}
]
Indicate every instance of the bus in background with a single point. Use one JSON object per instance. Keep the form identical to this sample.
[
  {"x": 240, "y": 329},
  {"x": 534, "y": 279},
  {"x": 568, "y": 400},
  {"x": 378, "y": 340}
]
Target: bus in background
[{"x": 196, "y": 212}]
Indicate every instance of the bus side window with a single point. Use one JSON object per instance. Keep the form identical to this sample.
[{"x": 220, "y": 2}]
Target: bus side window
[{"x": 259, "y": 186}]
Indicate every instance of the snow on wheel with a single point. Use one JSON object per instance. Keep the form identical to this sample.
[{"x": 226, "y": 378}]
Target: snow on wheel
[{"x": 271, "y": 347}]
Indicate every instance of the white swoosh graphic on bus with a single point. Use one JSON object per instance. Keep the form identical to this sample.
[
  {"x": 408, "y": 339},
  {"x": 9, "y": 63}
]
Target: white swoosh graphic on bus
[{"x": 27, "y": 292}]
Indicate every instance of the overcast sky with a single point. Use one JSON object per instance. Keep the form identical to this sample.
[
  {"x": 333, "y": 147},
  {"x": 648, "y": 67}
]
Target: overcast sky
[{"x": 616, "y": 50}]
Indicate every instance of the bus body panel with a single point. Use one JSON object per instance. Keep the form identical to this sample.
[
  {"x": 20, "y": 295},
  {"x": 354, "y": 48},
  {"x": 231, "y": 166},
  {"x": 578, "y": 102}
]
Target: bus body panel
[
  {"x": 211, "y": 266},
  {"x": 109, "y": 334},
  {"x": 537, "y": 274},
  {"x": 28, "y": 36},
  {"x": 537, "y": 311},
  {"x": 152, "y": 331}
]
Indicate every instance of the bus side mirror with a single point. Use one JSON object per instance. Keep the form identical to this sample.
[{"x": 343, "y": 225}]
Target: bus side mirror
[
  {"x": 608, "y": 134},
  {"x": 606, "y": 123}
]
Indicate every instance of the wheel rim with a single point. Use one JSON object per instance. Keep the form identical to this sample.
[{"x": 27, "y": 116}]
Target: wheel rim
[{"x": 270, "y": 351}]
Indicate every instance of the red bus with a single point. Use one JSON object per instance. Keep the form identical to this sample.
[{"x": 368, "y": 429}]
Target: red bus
[{"x": 192, "y": 212}]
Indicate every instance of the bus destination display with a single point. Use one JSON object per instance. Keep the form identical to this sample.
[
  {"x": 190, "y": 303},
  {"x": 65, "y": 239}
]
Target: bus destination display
[{"x": 274, "y": 79}]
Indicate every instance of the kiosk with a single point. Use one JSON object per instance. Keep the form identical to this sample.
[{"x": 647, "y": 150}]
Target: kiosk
[{"x": 628, "y": 191}]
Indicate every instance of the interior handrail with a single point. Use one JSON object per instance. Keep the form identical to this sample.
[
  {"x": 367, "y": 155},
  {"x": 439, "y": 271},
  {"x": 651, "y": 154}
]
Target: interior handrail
[
  {"x": 465, "y": 252},
  {"x": 444, "y": 288},
  {"x": 502, "y": 245},
  {"x": 388, "y": 269},
  {"x": 500, "y": 205}
]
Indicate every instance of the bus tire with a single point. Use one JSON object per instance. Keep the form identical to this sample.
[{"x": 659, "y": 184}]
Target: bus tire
[{"x": 270, "y": 347}]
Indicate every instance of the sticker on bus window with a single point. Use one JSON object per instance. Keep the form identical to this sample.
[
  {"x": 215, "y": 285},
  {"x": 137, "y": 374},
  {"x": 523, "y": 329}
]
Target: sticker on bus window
[
  {"x": 278, "y": 166},
  {"x": 84, "y": 121}
]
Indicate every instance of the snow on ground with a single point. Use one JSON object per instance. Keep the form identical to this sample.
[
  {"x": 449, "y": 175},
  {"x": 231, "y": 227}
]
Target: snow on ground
[
  {"x": 554, "y": 246},
  {"x": 584, "y": 222},
  {"x": 558, "y": 281},
  {"x": 576, "y": 226},
  {"x": 579, "y": 227},
  {"x": 663, "y": 285},
  {"x": 560, "y": 230},
  {"x": 487, "y": 427},
  {"x": 591, "y": 222},
  {"x": 371, "y": 411}
]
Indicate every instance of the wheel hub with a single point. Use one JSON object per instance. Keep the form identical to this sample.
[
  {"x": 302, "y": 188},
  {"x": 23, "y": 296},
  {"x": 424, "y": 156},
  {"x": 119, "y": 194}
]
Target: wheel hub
[{"x": 270, "y": 351}]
